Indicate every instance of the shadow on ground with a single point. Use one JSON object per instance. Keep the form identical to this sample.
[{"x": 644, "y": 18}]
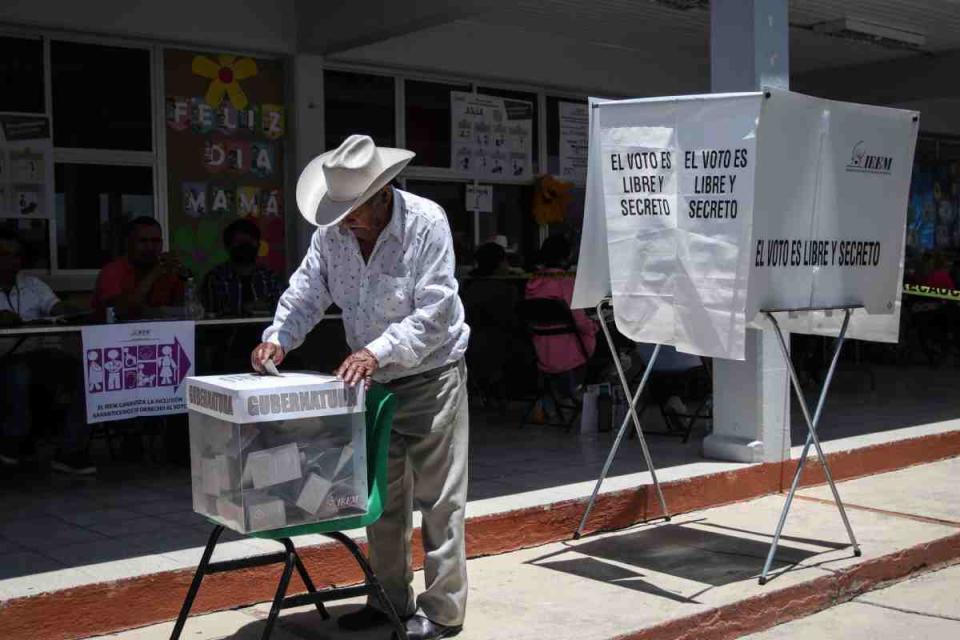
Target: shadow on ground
[
  {"x": 308, "y": 625},
  {"x": 696, "y": 551}
]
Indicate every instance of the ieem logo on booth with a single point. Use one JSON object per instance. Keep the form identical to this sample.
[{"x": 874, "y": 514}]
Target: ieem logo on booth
[{"x": 863, "y": 162}]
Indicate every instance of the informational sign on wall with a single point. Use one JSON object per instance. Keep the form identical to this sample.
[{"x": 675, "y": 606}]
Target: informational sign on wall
[
  {"x": 133, "y": 370},
  {"x": 26, "y": 167},
  {"x": 708, "y": 220},
  {"x": 574, "y": 138},
  {"x": 479, "y": 198},
  {"x": 492, "y": 137}
]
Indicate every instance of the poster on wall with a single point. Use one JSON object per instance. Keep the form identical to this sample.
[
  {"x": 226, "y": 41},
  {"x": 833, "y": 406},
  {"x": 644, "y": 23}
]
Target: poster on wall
[
  {"x": 492, "y": 137},
  {"x": 225, "y": 131},
  {"x": 133, "y": 370},
  {"x": 933, "y": 219},
  {"x": 26, "y": 159},
  {"x": 573, "y": 141}
]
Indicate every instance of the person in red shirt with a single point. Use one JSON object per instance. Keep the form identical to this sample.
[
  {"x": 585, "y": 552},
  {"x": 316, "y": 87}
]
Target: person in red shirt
[{"x": 144, "y": 280}]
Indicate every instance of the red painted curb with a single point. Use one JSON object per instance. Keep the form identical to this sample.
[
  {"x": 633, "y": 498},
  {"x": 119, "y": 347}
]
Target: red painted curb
[
  {"x": 776, "y": 607},
  {"x": 108, "y": 607}
]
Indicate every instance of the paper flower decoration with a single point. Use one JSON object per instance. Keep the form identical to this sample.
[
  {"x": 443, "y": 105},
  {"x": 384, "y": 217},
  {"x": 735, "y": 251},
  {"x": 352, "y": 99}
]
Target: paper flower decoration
[
  {"x": 550, "y": 200},
  {"x": 199, "y": 245},
  {"x": 225, "y": 75}
]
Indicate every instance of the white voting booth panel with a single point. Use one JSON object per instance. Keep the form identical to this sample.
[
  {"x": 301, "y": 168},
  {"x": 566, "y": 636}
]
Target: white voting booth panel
[
  {"x": 706, "y": 214},
  {"x": 710, "y": 209},
  {"x": 269, "y": 452},
  {"x": 839, "y": 186}
]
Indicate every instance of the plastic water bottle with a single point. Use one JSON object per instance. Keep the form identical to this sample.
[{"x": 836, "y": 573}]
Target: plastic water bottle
[{"x": 192, "y": 307}]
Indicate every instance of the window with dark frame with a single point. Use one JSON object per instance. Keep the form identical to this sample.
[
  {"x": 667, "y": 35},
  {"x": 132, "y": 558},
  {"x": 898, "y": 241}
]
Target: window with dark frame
[
  {"x": 427, "y": 121},
  {"x": 93, "y": 204},
  {"x": 21, "y": 75},
  {"x": 359, "y": 103},
  {"x": 102, "y": 97}
]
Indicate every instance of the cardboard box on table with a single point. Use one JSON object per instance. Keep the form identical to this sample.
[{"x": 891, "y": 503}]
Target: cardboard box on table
[{"x": 276, "y": 451}]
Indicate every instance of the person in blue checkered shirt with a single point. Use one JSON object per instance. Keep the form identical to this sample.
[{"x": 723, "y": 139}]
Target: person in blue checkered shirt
[{"x": 240, "y": 286}]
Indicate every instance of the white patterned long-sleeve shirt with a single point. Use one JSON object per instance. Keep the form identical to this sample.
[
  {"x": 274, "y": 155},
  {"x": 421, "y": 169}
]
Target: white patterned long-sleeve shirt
[{"x": 402, "y": 304}]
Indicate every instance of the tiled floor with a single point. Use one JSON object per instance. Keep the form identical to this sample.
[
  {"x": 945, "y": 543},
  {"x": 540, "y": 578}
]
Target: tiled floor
[{"x": 140, "y": 513}]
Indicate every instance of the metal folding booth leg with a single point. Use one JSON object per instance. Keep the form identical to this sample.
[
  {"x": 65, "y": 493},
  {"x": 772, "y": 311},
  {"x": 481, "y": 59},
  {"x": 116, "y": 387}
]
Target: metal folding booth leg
[
  {"x": 291, "y": 562},
  {"x": 812, "y": 438},
  {"x": 631, "y": 415}
]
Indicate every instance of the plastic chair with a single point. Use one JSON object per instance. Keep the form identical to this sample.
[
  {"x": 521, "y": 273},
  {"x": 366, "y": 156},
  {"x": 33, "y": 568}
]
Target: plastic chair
[
  {"x": 551, "y": 317},
  {"x": 674, "y": 373},
  {"x": 380, "y": 405}
]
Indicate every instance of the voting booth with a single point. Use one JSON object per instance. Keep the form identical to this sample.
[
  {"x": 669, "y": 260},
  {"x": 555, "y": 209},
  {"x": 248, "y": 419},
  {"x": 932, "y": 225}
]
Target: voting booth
[
  {"x": 269, "y": 452},
  {"x": 709, "y": 214}
]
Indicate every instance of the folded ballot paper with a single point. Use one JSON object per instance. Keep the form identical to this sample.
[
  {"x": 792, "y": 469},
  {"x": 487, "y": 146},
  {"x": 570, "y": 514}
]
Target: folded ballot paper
[{"x": 273, "y": 451}]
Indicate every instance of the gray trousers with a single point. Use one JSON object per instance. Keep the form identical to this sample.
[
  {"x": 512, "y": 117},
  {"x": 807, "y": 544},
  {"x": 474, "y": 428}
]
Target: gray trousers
[{"x": 427, "y": 470}]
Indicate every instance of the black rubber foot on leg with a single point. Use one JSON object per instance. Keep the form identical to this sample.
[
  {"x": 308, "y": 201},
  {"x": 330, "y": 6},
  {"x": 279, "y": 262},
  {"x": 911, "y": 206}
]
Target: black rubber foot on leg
[
  {"x": 577, "y": 535},
  {"x": 857, "y": 553},
  {"x": 667, "y": 518},
  {"x": 762, "y": 581}
]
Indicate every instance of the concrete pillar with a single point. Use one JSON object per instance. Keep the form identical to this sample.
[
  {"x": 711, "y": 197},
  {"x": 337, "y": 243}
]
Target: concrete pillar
[
  {"x": 749, "y": 48},
  {"x": 308, "y": 142}
]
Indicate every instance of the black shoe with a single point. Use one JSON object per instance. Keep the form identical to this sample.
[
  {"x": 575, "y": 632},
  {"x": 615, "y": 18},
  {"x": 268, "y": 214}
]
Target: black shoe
[
  {"x": 423, "y": 628},
  {"x": 14, "y": 452},
  {"x": 77, "y": 464},
  {"x": 366, "y": 618}
]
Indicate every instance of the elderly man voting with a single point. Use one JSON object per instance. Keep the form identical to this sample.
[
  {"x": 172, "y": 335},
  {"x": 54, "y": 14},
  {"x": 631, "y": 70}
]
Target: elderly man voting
[{"x": 386, "y": 258}]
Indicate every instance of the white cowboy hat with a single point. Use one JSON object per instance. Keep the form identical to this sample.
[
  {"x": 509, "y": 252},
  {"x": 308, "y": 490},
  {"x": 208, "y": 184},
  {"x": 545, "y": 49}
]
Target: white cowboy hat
[{"x": 339, "y": 181}]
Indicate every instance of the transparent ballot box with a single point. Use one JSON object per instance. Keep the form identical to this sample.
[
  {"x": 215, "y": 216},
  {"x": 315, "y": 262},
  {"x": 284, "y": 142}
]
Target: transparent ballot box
[{"x": 268, "y": 452}]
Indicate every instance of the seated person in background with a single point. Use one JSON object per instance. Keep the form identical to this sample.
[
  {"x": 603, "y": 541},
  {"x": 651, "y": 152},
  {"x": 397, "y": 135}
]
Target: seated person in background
[
  {"x": 936, "y": 272},
  {"x": 934, "y": 319},
  {"x": 31, "y": 368},
  {"x": 561, "y": 354},
  {"x": 490, "y": 305},
  {"x": 240, "y": 286},
  {"x": 26, "y": 297},
  {"x": 144, "y": 280}
]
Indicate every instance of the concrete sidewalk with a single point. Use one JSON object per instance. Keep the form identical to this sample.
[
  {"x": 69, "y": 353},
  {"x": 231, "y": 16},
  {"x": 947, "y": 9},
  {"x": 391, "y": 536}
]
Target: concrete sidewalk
[
  {"x": 927, "y": 606},
  {"x": 693, "y": 577}
]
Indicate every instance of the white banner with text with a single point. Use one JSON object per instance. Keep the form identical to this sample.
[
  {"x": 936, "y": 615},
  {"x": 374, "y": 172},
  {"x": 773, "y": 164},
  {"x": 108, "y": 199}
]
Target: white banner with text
[
  {"x": 138, "y": 369},
  {"x": 717, "y": 207}
]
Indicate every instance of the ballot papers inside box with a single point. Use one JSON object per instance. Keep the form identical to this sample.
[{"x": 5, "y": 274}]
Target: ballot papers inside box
[{"x": 269, "y": 452}]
